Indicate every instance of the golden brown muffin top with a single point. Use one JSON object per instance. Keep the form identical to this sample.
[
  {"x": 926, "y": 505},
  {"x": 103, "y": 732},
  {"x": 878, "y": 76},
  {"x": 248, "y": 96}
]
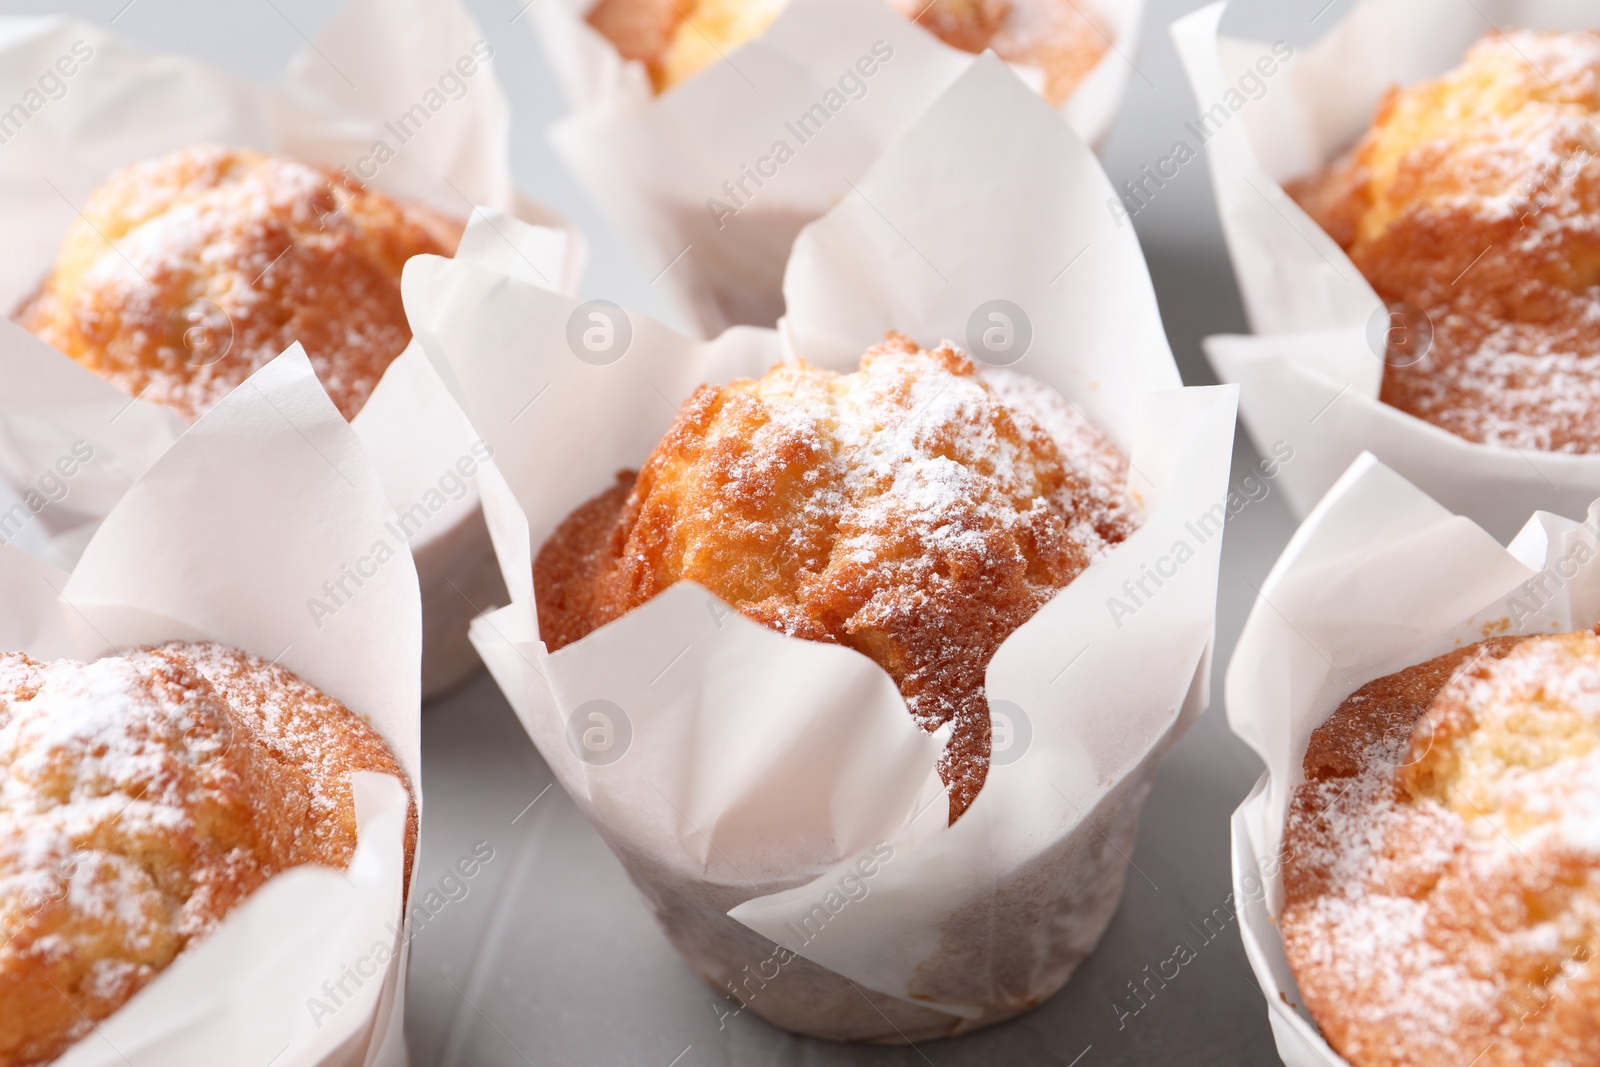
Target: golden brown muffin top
[
  {"x": 185, "y": 274},
  {"x": 1475, "y": 200},
  {"x": 913, "y": 510},
  {"x": 142, "y": 797},
  {"x": 1442, "y": 861},
  {"x": 675, "y": 39}
]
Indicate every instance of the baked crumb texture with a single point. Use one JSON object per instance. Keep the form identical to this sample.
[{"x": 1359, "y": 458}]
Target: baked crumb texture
[
  {"x": 186, "y": 274},
  {"x": 910, "y": 510},
  {"x": 1475, "y": 199},
  {"x": 143, "y": 797},
  {"x": 677, "y": 38},
  {"x": 1442, "y": 861}
]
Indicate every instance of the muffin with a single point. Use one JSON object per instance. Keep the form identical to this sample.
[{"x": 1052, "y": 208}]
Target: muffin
[
  {"x": 1472, "y": 205},
  {"x": 1442, "y": 861},
  {"x": 145, "y": 796},
  {"x": 915, "y": 510},
  {"x": 676, "y": 40},
  {"x": 184, "y": 275}
]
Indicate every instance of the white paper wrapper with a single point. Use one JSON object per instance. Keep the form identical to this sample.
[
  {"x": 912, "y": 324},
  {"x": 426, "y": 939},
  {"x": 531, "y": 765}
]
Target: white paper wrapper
[
  {"x": 121, "y": 105},
  {"x": 1311, "y": 376},
  {"x": 717, "y": 811},
  {"x": 1379, "y": 577},
  {"x": 224, "y": 538},
  {"x": 653, "y": 163}
]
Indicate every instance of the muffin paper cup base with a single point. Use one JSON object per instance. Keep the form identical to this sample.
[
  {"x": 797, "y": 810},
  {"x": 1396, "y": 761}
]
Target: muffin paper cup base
[
  {"x": 123, "y": 105},
  {"x": 1378, "y": 578},
  {"x": 1311, "y": 376},
  {"x": 658, "y": 164},
  {"x": 771, "y": 797},
  {"x": 223, "y": 538},
  {"x": 1081, "y": 881}
]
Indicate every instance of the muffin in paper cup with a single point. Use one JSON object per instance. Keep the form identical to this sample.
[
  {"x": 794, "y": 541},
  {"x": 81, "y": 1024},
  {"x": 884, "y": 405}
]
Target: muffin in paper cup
[
  {"x": 1378, "y": 578},
  {"x": 1312, "y": 370},
  {"x": 223, "y": 538},
  {"x": 737, "y": 827},
  {"x": 418, "y": 129},
  {"x": 711, "y": 180}
]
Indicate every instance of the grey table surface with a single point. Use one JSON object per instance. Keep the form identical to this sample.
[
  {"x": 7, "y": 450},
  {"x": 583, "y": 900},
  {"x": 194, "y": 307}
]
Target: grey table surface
[{"x": 550, "y": 957}]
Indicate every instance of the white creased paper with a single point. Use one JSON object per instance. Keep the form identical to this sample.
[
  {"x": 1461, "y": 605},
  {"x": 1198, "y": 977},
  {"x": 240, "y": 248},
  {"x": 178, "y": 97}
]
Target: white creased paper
[
  {"x": 654, "y": 163},
  {"x": 754, "y": 767},
  {"x": 1379, "y": 577},
  {"x": 388, "y": 73},
  {"x": 225, "y": 538},
  {"x": 1310, "y": 375}
]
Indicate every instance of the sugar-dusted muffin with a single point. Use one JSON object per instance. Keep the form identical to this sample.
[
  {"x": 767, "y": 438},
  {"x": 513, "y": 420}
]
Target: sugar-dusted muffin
[
  {"x": 187, "y": 273},
  {"x": 1475, "y": 200},
  {"x": 143, "y": 797},
  {"x": 677, "y": 38},
  {"x": 1442, "y": 861},
  {"x": 910, "y": 510}
]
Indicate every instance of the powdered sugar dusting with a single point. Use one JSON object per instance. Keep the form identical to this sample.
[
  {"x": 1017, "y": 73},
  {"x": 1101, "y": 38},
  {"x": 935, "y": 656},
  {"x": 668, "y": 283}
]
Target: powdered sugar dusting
[
  {"x": 1475, "y": 200},
  {"x": 1062, "y": 38},
  {"x": 189, "y": 272},
  {"x": 142, "y": 797},
  {"x": 1102, "y": 499},
  {"x": 909, "y": 510},
  {"x": 1445, "y": 900}
]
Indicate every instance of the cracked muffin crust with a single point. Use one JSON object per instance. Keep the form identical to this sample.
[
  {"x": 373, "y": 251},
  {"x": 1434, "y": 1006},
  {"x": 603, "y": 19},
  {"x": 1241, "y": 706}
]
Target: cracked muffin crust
[
  {"x": 143, "y": 797},
  {"x": 1472, "y": 205},
  {"x": 1442, "y": 861},
  {"x": 914, "y": 510},
  {"x": 185, "y": 274}
]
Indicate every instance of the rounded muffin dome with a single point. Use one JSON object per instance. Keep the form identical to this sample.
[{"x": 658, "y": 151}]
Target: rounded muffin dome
[
  {"x": 1473, "y": 203},
  {"x": 1442, "y": 861},
  {"x": 914, "y": 510},
  {"x": 186, "y": 274},
  {"x": 143, "y": 797}
]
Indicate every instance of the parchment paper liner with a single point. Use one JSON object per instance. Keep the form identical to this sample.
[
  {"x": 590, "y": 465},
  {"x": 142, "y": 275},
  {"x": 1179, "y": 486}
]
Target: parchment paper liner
[
  {"x": 1310, "y": 376},
  {"x": 754, "y": 769},
  {"x": 1378, "y": 577},
  {"x": 123, "y": 105},
  {"x": 653, "y": 162},
  {"x": 224, "y": 538}
]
